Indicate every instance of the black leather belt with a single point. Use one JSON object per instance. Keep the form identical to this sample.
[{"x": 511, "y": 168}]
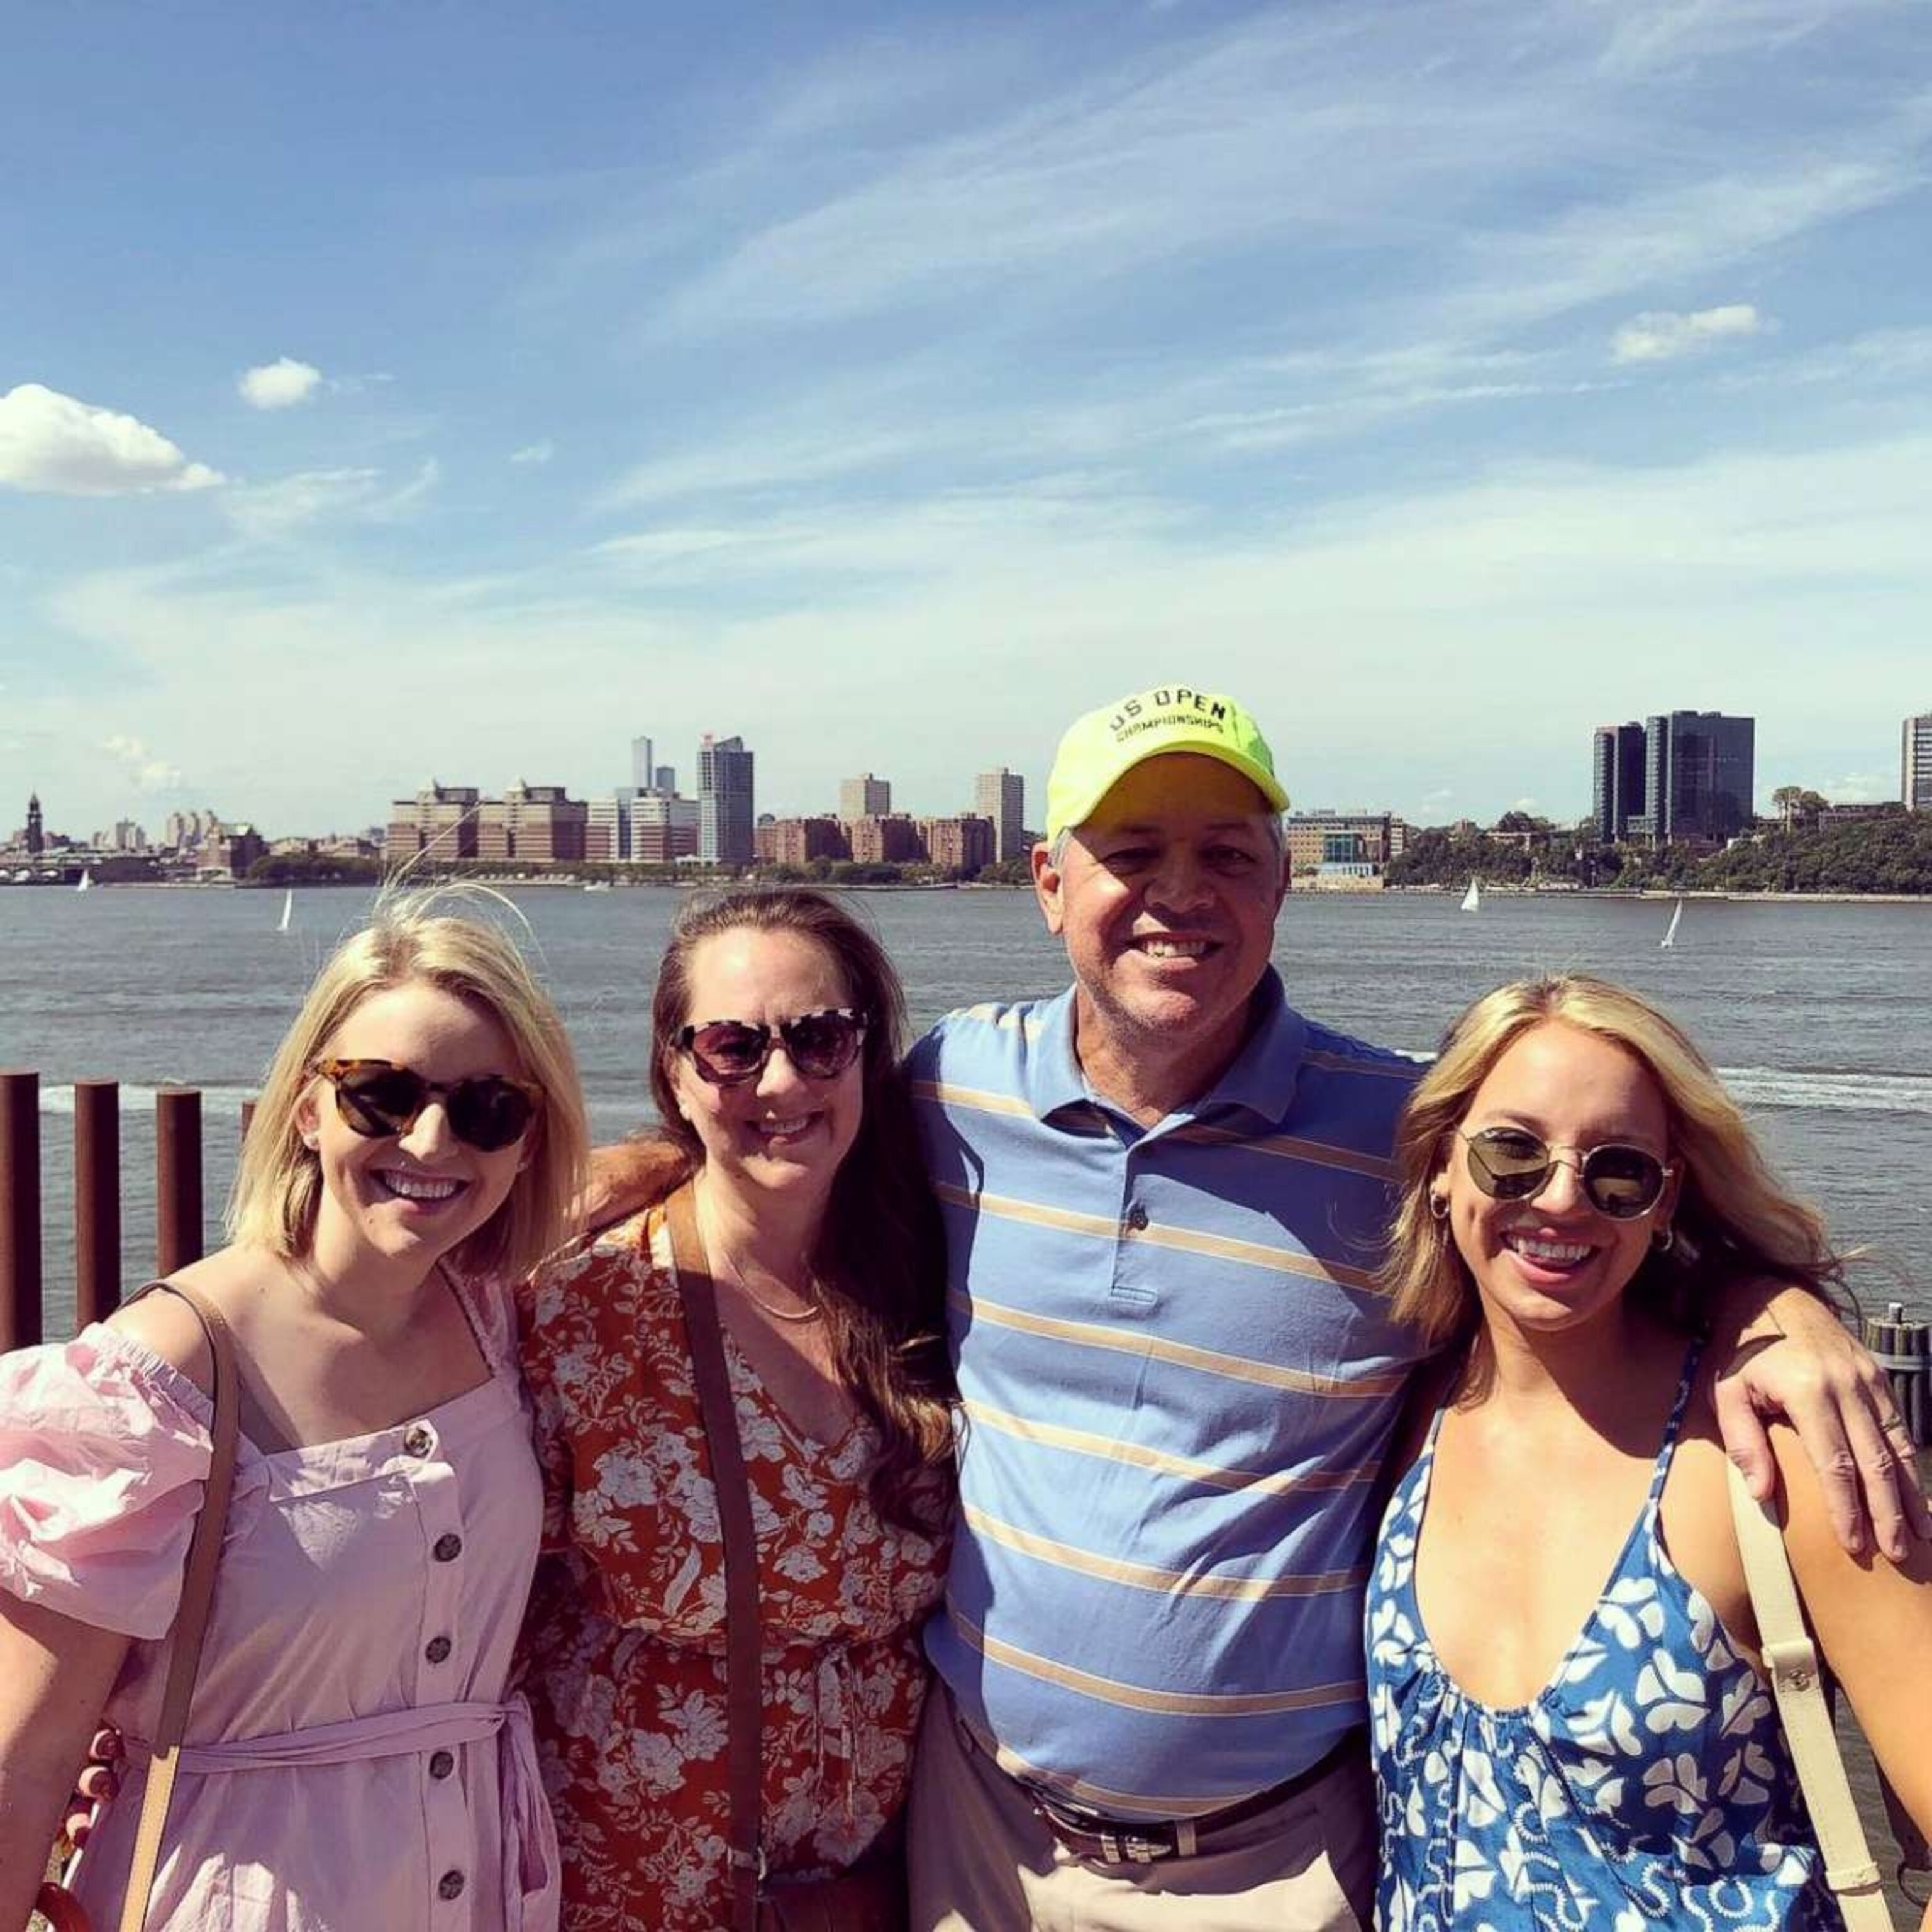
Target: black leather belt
[{"x": 1101, "y": 1839}]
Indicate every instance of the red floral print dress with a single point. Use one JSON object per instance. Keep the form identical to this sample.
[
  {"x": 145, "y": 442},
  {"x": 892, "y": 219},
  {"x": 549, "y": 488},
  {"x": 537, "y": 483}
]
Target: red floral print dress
[{"x": 624, "y": 1645}]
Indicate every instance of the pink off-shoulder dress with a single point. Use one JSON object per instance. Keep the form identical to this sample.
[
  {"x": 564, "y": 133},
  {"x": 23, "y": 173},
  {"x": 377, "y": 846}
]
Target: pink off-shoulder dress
[{"x": 354, "y": 1761}]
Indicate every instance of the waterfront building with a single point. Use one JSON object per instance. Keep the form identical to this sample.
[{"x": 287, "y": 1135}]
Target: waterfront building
[
  {"x": 534, "y": 823},
  {"x": 664, "y": 830},
  {"x": 725, "y": 811},
  {"x": 865, "y": 797},
  {"x": 1699, "y": 771},
  {"x": 441, "y": 820},
  {"x": 1915, "y": 764},
  {"x": 36, "y": 837},
  {"x": 231, "y": 850},
  {"x": 1617, "y": 770},
  {"x": 606, "y": 826},
  {"x": 1327, "y": 838},
  {"x": 967, "y": 842},
  {"x": 798, "y": 841},
  {"x": 1000, "y": 796},
  {"x": 885, "y": 838}
]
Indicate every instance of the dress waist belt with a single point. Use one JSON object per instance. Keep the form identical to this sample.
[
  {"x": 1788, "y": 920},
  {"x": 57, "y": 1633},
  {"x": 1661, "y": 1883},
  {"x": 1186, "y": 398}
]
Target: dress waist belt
[{"x": 530, "y": 1865}]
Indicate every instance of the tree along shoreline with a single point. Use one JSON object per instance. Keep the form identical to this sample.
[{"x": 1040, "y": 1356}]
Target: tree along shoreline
[{"x": 1887, "y": 855}]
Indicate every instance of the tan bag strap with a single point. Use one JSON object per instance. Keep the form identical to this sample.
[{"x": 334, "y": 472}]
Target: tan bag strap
[
  {"x": 204, "y": 1557},
  {"x": 744, "y": 1645},
  {"x": 1792, "y": 1659}
]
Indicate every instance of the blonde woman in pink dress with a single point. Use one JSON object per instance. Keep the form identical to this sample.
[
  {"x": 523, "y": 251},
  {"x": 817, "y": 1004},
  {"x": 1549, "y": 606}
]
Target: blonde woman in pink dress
[{"x": 354, "y": 1757}]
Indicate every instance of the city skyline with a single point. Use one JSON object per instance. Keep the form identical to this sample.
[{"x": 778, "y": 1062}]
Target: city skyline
[{"x": 1440, "y": 379}]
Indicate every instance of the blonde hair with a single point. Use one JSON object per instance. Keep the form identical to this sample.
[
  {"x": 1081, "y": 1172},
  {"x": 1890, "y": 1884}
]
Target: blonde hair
[
  {"x": 409, "y": 942},
  {"x": 1734, "y": 1219}
]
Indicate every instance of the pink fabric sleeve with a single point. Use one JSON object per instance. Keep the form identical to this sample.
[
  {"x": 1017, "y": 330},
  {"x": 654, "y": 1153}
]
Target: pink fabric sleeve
[{"x": 103, "y": 1451}]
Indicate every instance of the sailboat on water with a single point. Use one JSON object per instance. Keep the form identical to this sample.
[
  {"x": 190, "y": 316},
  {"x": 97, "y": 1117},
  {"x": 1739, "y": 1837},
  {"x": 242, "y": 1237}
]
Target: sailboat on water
[
  {"x": 86, "y": 882},
  {"x": 1472, "y": 900},
  {"x": 1670, "y": 938},
  {"x": 288, "y": 910}
]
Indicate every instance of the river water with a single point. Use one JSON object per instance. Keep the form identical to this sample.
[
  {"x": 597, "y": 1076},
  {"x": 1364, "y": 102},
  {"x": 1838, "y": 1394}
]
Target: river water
[{"x": 1820, "y": 1015}]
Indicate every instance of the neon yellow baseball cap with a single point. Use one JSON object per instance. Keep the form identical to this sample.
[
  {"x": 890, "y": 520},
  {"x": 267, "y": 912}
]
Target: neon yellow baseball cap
[{"x": 1099, "y": 749}]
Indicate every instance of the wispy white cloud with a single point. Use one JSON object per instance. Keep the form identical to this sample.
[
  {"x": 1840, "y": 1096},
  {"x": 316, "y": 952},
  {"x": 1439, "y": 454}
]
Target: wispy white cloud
[
  {"x": 279, "y": 385},
  {"x": 56, "y": 446},
  {"x": 535, "y": 452},
  {"x": 1660, "y": 335},
  {"x": 289, "y": 504},
  {"x": 141, "y": 768}
]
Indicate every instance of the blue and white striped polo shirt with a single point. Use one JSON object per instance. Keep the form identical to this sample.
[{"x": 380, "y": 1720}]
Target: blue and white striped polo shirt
[{"x": 1179, "y": 1384}]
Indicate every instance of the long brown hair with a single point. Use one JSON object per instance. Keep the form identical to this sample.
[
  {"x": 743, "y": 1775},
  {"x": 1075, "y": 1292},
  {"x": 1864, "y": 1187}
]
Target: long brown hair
[
  {"x": 1734, "y": 1220},
  {"x": 881, "y": 1255}
]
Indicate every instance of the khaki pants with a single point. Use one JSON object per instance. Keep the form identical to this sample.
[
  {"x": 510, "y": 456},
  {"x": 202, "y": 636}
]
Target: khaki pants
[{"x": 982, "y": 1861}]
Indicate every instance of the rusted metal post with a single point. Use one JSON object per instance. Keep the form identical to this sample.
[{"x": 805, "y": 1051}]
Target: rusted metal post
[
  {"x": 20, "y": 1209},
  {"x": 177, "y": 1178},
  {"x": 97, "y": 1200}
]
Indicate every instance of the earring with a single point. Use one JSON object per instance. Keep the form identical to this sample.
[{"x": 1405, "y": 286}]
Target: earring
[
  {"x": 1664, "y": 1240},
  {"x": 1438, "y": 1207}
]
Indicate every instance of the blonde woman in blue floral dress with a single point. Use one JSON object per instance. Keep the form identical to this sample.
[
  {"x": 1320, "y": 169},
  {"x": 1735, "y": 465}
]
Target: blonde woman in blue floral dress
[{"x": 1571, "y": 1727}]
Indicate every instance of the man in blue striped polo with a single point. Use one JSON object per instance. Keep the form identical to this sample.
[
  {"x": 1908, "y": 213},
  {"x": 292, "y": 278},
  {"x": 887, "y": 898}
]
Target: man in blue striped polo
[{"x": 1164, "y": 1191}]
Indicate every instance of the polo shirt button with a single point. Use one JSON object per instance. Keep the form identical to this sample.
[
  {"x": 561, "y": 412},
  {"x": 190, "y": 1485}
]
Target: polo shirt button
[
  {"x": 437, "y": 1650},
  {"x": 442, "y": 1763},
  {"x": 450, "y": 1885},
  {"x": 418, "y": 1441},
  {"x": 447, "y": 1548},
  {"x": 1137, "y": 1217}
]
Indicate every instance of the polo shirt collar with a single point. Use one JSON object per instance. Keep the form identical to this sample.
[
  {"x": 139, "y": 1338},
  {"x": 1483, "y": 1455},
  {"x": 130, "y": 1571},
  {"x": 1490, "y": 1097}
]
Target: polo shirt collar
[{"x": 1260, "y": 1082}]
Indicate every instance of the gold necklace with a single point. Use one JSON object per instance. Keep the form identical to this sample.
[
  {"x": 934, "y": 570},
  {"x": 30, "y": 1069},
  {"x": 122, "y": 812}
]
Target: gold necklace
[{"x": 811, "y": 1314}]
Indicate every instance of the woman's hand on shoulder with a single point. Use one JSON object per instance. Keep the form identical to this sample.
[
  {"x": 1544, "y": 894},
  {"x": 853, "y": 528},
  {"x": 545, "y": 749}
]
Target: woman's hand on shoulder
[{"x": 1779, "y": 1352}]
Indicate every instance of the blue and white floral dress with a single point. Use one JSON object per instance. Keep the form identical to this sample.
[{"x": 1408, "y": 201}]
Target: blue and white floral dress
[{"x": 1649, "y": 1783}]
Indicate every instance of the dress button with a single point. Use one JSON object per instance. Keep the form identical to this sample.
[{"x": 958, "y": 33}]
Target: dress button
[
  {"x": 418, "y": 1441},
  {"x": 450, "y": 1885},
  {"x": 1137, "y": 1217},
  {"x": 447, "y": 1548},
  {"x": 437, "y": 1650},
  {"x": 442, "y": 1763}
]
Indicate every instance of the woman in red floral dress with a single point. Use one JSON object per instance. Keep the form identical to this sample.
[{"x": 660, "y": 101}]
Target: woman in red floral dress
[{"x": 777, "y": 1024}]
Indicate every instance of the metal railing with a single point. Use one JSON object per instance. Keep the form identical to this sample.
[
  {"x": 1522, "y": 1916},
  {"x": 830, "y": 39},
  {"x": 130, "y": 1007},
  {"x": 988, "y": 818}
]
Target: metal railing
[{"x": 97, "y": 1198}]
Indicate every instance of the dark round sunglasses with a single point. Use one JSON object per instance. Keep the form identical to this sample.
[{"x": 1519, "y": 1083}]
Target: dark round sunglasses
[
  {"x": 728, "y": 1053},
  {"x": 1512, "y": 1164},
  {"x": 377, "y": 1098}
]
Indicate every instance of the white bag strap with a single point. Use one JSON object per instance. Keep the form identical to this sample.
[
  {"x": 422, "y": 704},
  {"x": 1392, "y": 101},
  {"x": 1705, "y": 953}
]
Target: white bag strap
[{"x": 1792, "y": 1659}]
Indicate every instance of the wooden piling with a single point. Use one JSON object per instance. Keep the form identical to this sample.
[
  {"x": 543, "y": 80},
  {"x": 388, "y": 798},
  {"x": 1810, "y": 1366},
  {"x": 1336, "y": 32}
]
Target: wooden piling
[
  {"x": 97, "y": 1200},
  {"x": 20, "y": 1209}
]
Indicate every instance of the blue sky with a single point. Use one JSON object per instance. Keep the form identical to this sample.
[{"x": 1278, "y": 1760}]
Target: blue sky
[{"x": 459, "y": 390}]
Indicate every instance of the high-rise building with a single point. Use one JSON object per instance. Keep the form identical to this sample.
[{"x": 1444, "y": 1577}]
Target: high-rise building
[
  {"x": 1000, "y": 796},
  {"x": 1616, "y": 779},
  {"x": 1699, "y": 776},
  {"x": 665, "y": 784},
  {"x": 864, "y": 797},
  {"x": 643, "y": 771},
  {"x": 725, "y": 812},
  {"x": 1915, "y": 764},
  {"x": 36, "y": 838}
]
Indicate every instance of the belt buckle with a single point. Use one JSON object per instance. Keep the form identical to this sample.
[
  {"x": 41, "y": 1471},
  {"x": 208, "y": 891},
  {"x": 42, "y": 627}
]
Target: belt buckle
[{"x": 1133, "y": 1848}]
